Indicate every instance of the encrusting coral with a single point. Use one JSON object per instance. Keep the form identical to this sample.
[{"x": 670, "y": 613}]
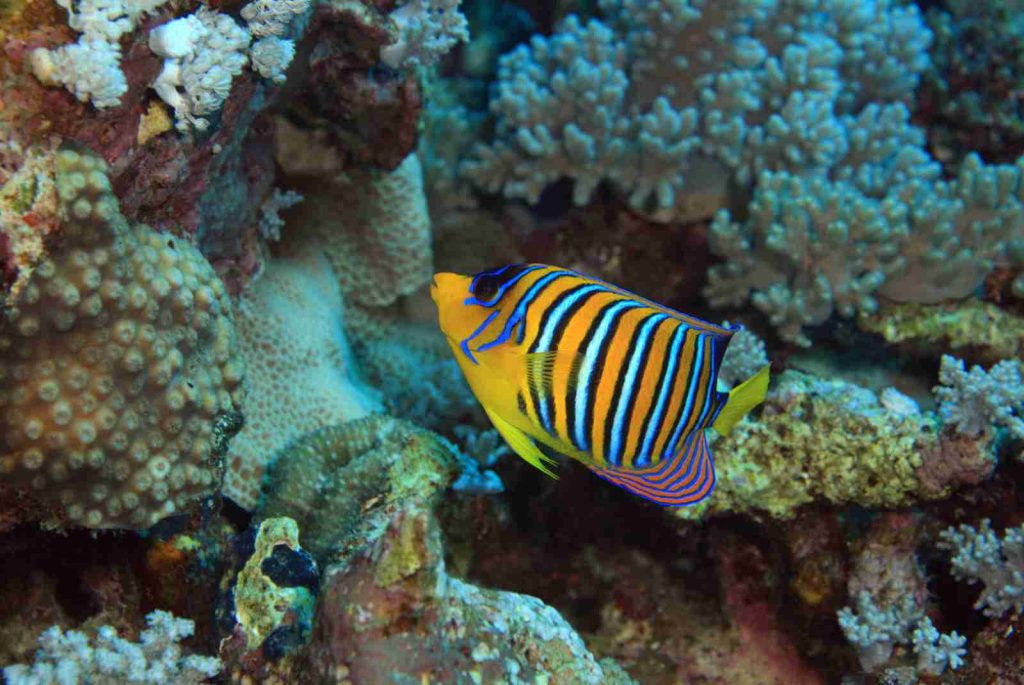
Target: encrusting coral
[
  {"x": 834, "y": 441},
  {"x": 341, "y": 481},
  {"x": 373, "y": 226},
  {"x": 301, "y": 373},
  {"x": 118, "y": 367},
  {"x": 971, "y": 328}
]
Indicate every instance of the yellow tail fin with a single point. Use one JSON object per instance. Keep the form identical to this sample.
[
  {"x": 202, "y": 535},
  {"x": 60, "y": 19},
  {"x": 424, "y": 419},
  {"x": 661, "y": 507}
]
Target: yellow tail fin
[{"x": 742, "y": 399}]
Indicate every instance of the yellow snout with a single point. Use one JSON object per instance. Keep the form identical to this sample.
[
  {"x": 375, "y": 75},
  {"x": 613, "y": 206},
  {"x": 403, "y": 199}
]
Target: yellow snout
[{"x": 449, "y": 292}]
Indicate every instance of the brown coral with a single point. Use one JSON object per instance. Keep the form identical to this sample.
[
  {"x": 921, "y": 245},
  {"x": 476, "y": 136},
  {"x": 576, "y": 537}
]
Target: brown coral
[{"x": 117, "y": 363}]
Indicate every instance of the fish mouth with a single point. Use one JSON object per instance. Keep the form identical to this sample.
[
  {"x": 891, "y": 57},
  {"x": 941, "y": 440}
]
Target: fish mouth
[{"x": 433, "y": 289}]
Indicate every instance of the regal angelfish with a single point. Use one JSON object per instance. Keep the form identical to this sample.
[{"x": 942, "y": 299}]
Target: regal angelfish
[{"x": 592, "y": 371}]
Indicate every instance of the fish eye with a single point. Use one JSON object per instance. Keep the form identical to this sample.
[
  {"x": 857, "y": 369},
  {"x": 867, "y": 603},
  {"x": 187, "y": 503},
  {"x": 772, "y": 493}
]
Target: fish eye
[
  {"x": 489, "y": 286},
  {"x": 486, "y": 288}
]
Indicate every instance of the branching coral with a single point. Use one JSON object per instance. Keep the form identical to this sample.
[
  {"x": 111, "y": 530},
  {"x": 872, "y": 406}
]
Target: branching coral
[
  {"x": 974, "y": 401},
  {"x": 878, "y": 222},
  {"x": 636, "y": 100},
  {"x": 876, "y": 631},
  {"x": 118, "y": 363},
  {"x": 743, "y": 358},
  {"x": 108, "y": 659},
  {"x": 980, "y": 556},
  {"x": 427, "y": 29}
]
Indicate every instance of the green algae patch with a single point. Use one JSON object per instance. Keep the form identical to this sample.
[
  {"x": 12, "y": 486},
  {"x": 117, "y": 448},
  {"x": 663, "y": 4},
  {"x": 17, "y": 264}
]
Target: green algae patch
[
  {"x": 261, "y": 605},
  {"x": 830, "y": 441},
  {"x": 973, "y": 329}
]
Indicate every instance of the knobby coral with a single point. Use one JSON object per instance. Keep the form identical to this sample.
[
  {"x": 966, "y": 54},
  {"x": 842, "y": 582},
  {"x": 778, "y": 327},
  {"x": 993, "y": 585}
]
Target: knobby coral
[{"x": 118, "y": 365}]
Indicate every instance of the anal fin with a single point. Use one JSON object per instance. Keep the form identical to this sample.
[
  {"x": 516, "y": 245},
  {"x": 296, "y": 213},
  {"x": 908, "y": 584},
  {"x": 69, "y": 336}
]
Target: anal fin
[
  {"x": 522, "y": 444},
  {"x": 683, "y": 480}
]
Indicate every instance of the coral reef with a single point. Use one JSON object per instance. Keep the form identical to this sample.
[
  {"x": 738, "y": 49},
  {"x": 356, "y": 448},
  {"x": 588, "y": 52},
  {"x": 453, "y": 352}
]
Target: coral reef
[
  {"x": 118, "y": 367},
  {"x": 193, "y": 189}
]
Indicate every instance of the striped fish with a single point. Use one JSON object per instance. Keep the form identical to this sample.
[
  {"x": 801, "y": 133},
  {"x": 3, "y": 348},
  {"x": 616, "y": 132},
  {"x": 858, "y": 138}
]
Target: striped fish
[{"x": 592, "y": 371}]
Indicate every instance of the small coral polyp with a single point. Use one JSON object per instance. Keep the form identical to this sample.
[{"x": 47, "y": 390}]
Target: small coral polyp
[{"x": 116, "y": 358}]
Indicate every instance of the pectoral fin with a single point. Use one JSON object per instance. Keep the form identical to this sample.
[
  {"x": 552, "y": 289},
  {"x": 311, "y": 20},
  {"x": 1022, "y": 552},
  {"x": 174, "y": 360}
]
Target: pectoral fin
[{"x": 522, "y": 444}]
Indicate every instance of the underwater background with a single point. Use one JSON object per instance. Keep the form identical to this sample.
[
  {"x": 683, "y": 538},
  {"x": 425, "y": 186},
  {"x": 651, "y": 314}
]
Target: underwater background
[{"x": 235, "y": 445}]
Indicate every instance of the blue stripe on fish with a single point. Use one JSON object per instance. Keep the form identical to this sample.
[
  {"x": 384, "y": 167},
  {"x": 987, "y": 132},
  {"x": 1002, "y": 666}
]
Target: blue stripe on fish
[
  {"x": 532, "y": 293},
  {"x": 590, "y": 370},
  {"x": 684, "y": 416},
  {"x": 627, "y": 396},
  {"x": 554, "y": 316},
  {"x": 654, "y": 425}
]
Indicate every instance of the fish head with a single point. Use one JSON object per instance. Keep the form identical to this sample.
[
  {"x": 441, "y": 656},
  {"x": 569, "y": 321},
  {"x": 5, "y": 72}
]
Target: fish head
[{"x": 478, "y": 313}]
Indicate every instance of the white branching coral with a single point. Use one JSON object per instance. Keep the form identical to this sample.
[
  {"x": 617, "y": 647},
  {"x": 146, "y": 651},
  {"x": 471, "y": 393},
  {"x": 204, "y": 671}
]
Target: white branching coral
[
  {"x": 91, "y": 68},
  {"x": 980, "y": 556},
  {"x": 108, "y": 659},
  {"x": 875, "y": 631},
  {"x": 272, "y": 17},
  {"x": 202, "y": 53},
  {"x": 271, "y": 57},
  {"x": 743, "y": 358},
  {"x": 427, "y": 29}
]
